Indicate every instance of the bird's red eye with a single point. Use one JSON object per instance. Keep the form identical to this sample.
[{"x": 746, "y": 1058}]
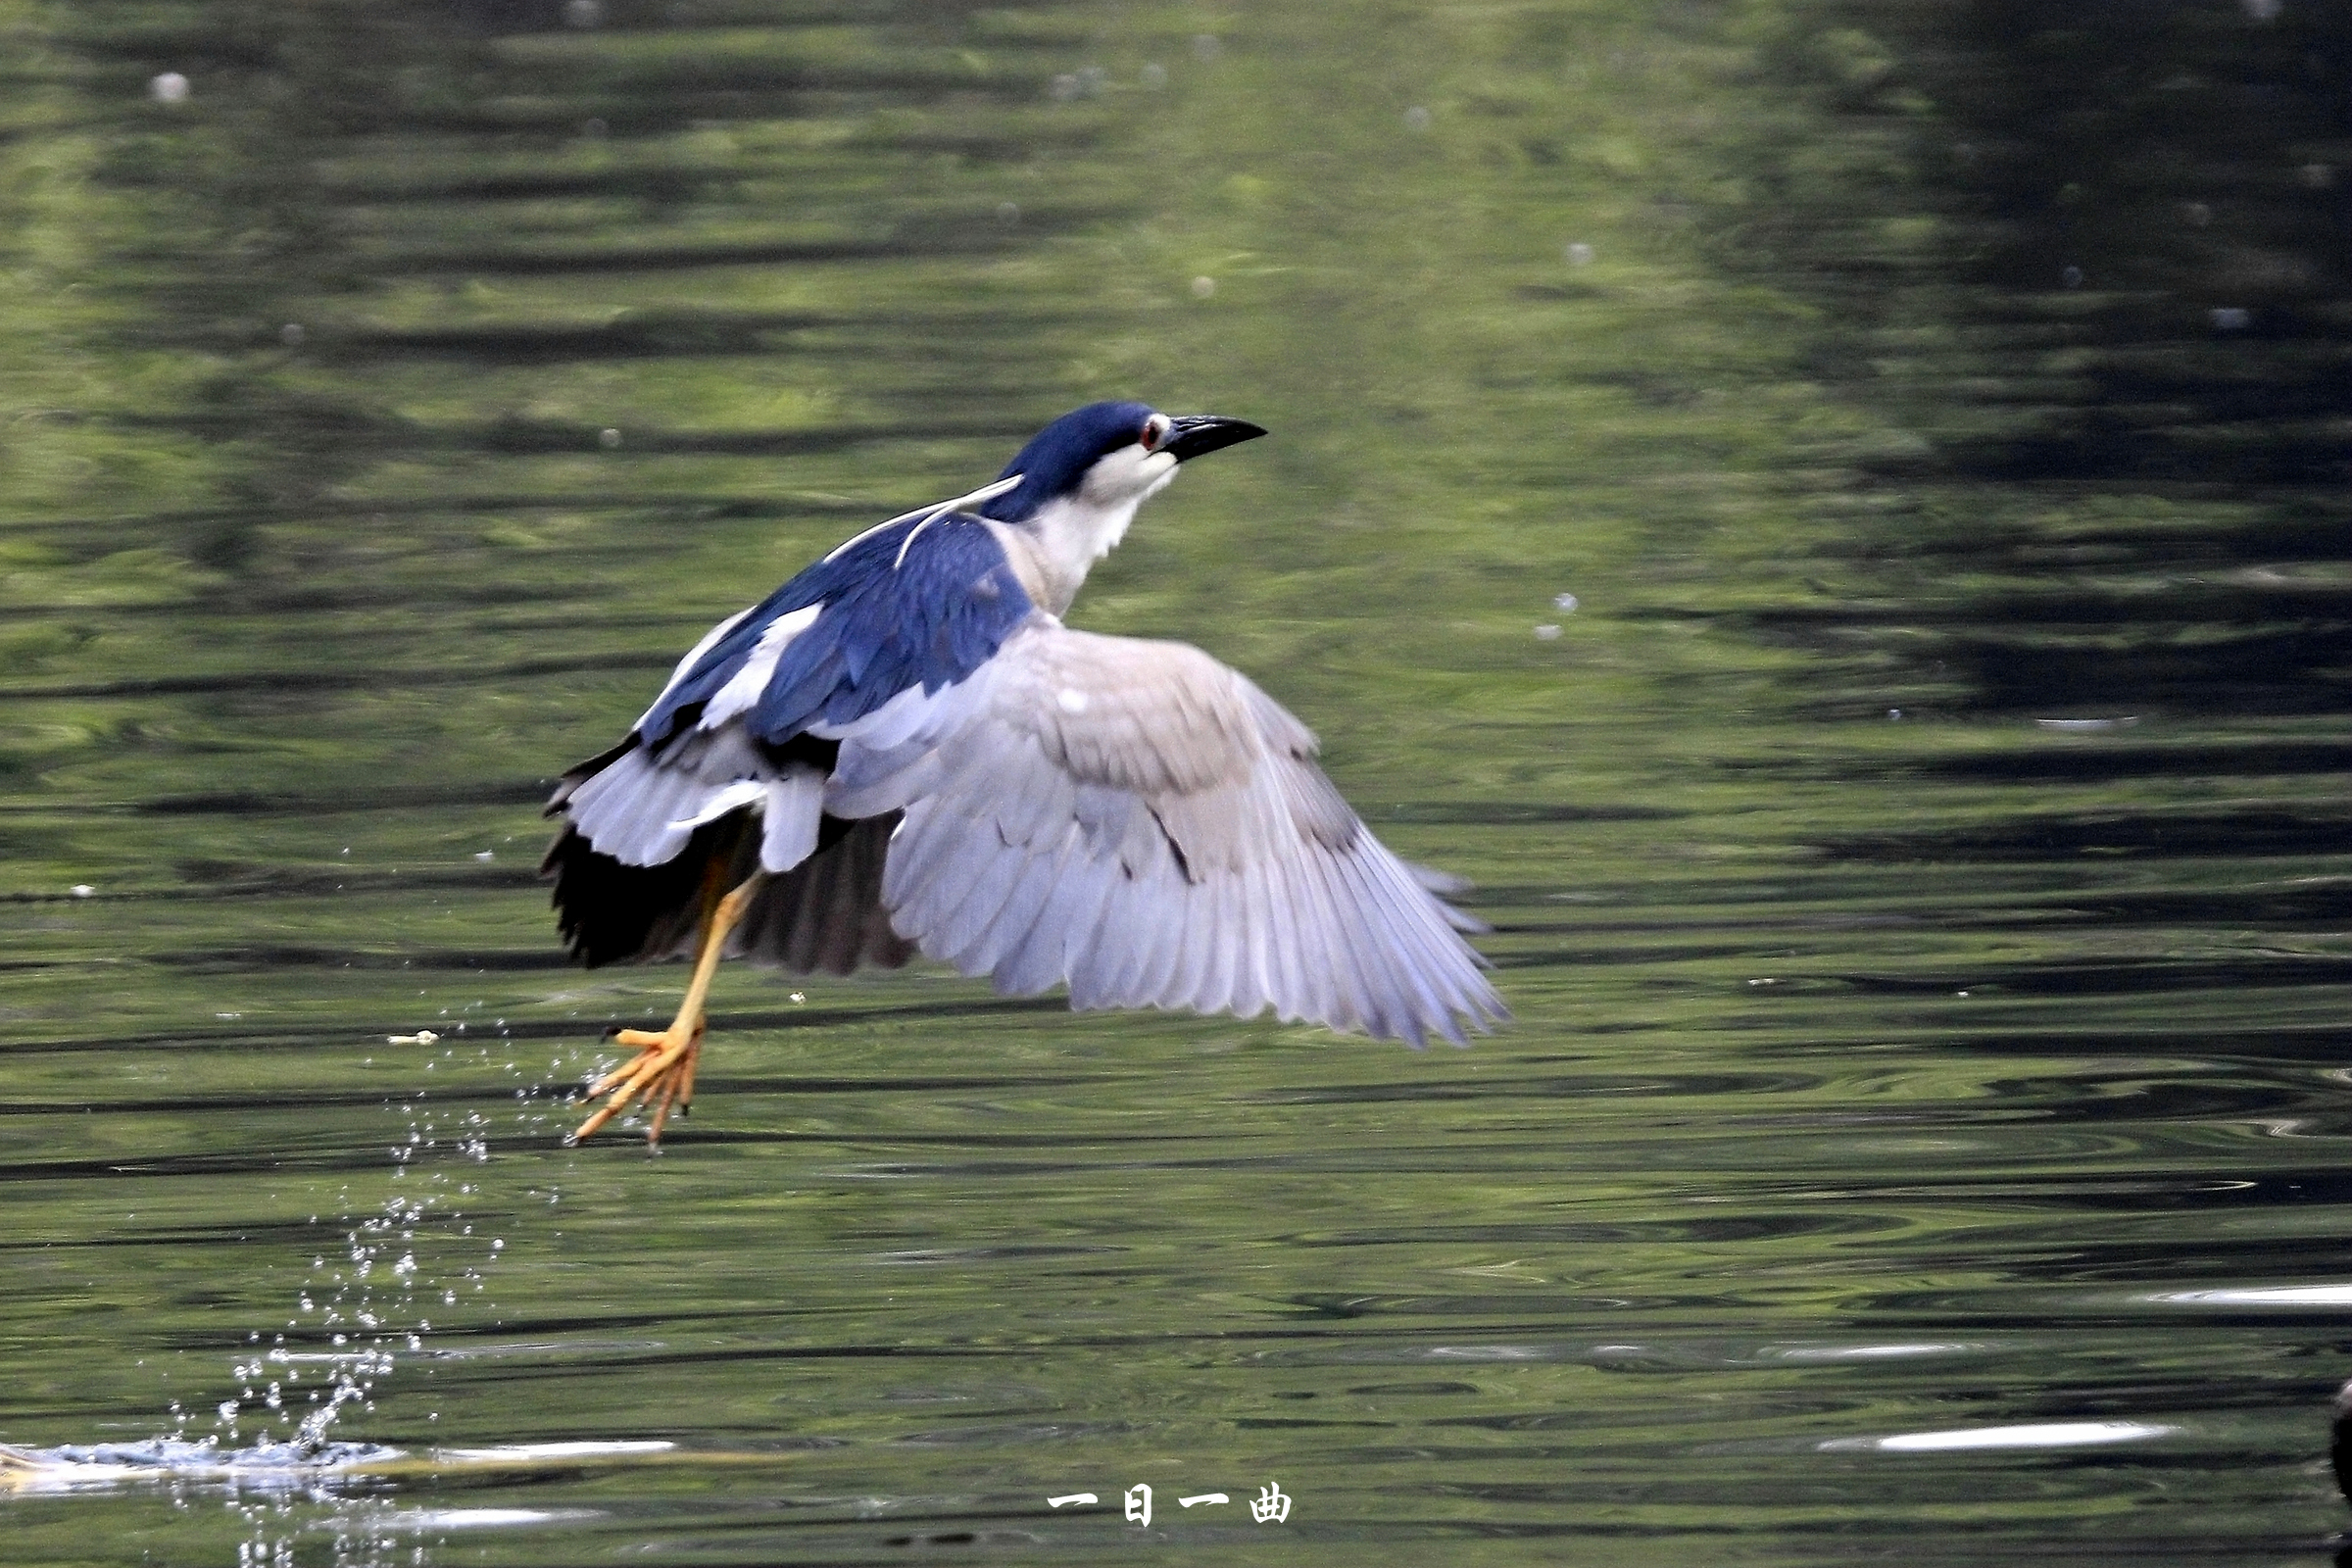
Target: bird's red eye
[{"x": 1156, "y": 430}]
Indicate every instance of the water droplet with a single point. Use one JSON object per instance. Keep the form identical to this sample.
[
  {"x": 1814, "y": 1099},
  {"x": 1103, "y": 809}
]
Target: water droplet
[
  {"x": 1563, "y": 601},
  {"x": 1547, "y": 633},
  {"x": 1203, "y": 287},
  {"x": 1152, "y": 76},
  {"x": 169, "y": 87},
  {"x": 608, "y": 438},
  {"x": 1416, "y": 119},
  {"x": 1579, "y": 254}
]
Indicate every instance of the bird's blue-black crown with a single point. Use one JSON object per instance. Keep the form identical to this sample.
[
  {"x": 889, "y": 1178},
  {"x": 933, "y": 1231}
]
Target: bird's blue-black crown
[{"x": 1058, "y": 457}]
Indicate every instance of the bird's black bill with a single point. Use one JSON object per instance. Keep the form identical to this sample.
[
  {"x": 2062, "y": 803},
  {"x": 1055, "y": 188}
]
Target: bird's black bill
[{"x": 1191, "y": 434}]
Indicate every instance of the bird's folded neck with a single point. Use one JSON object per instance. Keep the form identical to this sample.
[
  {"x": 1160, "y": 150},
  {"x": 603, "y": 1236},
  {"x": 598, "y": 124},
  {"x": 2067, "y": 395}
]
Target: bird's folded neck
[{"x": 1052, "y": 549}]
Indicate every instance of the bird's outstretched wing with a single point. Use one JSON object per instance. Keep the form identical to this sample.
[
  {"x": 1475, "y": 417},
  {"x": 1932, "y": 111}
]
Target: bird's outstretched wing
[{"x": 1140, "y": 823}]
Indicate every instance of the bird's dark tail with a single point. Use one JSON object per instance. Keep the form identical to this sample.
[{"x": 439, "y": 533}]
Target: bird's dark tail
[
  {"x": 824, "y": 913},
  {"x": 614, "y": 913}
]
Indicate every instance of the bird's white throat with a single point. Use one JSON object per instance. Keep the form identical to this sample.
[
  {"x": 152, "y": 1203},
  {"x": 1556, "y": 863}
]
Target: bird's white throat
[{"x": 1066, "y": 536}]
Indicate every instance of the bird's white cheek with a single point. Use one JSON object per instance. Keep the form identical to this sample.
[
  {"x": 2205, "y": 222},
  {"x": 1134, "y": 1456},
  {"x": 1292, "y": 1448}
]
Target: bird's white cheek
[{"x": 1128, "y": 475}]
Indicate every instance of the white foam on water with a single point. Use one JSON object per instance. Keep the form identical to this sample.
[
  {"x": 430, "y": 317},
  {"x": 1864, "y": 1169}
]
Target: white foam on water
[
  {"x": 1866, "y": 1352},
  {"x": 2266, "y": 1295},
  {"x": 480, "y": 1518},
  {"x": 529, "y": 1452},
  {"x": 2045, "y": 1435}
]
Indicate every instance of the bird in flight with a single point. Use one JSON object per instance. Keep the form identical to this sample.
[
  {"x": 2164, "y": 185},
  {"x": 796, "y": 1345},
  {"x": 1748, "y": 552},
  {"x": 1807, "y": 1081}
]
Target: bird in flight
[{"x": 905, "y": 749}]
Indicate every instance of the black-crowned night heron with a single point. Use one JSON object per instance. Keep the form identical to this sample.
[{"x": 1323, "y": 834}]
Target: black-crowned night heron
[{"x": 903, "y": 749}]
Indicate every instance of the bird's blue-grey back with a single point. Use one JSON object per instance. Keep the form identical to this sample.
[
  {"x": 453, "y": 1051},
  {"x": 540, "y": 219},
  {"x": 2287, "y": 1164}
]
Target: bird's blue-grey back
[{"x": 883, "y": 624}]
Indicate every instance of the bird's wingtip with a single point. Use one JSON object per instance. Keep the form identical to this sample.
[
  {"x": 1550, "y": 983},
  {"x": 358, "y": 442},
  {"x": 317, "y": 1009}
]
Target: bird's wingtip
[{"x": 1444, "y": 884}]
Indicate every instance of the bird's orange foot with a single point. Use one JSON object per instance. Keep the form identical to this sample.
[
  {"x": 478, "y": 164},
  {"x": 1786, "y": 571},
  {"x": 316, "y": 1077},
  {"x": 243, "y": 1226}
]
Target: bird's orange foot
[{"x": 660, "y": 1078}]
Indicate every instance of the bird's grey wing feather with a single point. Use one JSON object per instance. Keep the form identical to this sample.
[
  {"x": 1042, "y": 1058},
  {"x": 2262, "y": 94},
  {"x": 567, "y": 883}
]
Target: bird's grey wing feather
[{"x": 1140, "y": 823}]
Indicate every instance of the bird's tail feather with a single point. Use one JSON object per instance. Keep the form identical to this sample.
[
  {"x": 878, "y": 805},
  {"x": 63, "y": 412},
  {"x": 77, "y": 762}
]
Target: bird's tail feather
[
  {"x": 614, "y": 913},
  {"x": 824, "y": 913}
]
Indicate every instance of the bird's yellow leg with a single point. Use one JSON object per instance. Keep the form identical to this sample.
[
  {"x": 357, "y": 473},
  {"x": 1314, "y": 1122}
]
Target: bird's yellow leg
[{"x": 662, "y": 1073}]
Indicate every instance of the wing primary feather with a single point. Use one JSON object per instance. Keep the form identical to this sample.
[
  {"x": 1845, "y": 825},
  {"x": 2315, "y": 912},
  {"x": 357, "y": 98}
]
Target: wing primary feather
[
  {"x": 914, "y": 863},
  {"x": 1243, "y": 995},
  {"x": 1296, "y": 983},
  {"x": 1230, "y": 983},
  {"x": 1359, "y": 997},
  {"x": 1253, "y": 989},
  {"x": 1168, "y": 896},
  {"x": 1315, "y": 984},
  {"x": 1427, "y": 958},
  {"x": 1136, "y": 949},
  {"x": 1425, "y": 951},
  {"x": 1207, "y": 940},
  {"x": 1437, "y": 962},
  {"x": 1386, "y": 962},
  {"x": 971, "y": 890},
  {"x": 1027, "y": 908},
  {"x": 1088, "y": 941},
  {"x": 1012, "y": 884},
  {"x": 1188, "y": 977},
  {"x": 1030, "y": 959},
  {"x": 1150, "y": 934},
  {"x": 1422, "y": 966},
  {"x": 952, "y": 850},
  {"x": 1031, "y": 910}
]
